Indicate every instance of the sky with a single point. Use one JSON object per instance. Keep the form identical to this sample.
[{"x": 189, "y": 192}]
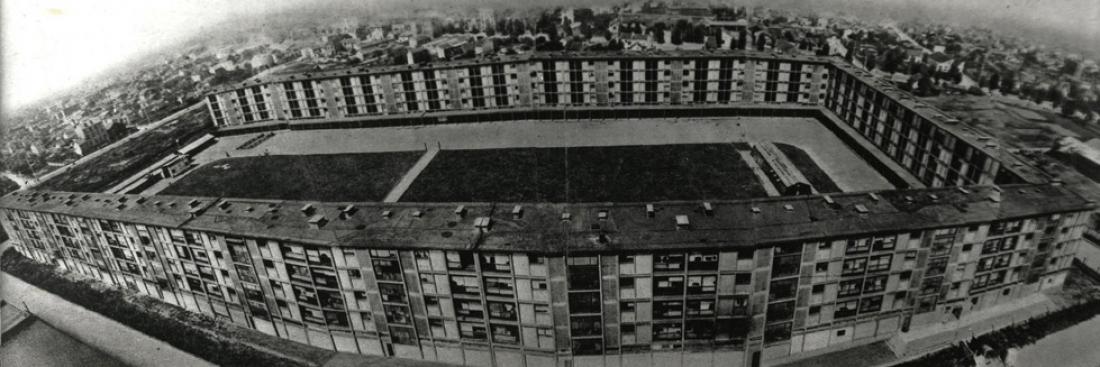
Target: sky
[{"x": 51, "y": 45}]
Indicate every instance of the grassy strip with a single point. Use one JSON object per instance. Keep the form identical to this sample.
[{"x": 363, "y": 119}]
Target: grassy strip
[
  {"x": 817, "y": 177},
  {"x": 1016, "y": 336},
  {"x": 587, "y": 174},
  {"x": 188, "y": 331},
  {"x": 327, "y": 177}
]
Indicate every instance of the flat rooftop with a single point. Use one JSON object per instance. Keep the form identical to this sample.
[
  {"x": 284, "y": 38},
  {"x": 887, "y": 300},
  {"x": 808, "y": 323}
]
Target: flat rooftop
[{"x": 555, "y": 228}]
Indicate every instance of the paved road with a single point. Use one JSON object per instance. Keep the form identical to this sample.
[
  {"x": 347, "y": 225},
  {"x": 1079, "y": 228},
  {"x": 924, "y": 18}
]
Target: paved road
[
  {"x": 1073, "y": 347},
  {"x": 842, "y": 164}
]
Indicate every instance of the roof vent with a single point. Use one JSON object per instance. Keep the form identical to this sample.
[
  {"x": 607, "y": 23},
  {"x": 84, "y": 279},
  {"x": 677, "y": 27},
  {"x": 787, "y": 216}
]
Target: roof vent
[
  {"x": 386, "y": 213},
  {"x": 862, "y": 209},
  {"x": 483, "y": 222},
  {"x": 223, "y": 205},
  {"x": 602, "y": 214},
  {"x": 875, "y": 196},
  {"x": 517, "y": 212},
  {"x": 120, "y": 207},
  {"x": 934, "y": 197},
  {"x": 963, "y": 190},
  {"x": 317, "y": 221},
  {"x": 995, "y": 196},
  {"x": 193, "y": 203},
  {"x": 566, "y": 216},
  {"x": 349, "y": 209},
  {"x": 194, "y": 212},
  {"x": 708, "y": 209},
  {"x": 682, "y": 222},
  {"x": 908, "y": 198},
  {"x": 307, "y": 209},
  {"x": 460, "y": 211},
  {"x": 756, "y": 210},
  {"x": 650, "y": 211},
  {"x": 788, "y": 207},
  {"x": 122, "y": 199},
  {"x": 829, "y": 200},
  {"x": 140, "y": 200},
  {"x": 417, "y": 213}
]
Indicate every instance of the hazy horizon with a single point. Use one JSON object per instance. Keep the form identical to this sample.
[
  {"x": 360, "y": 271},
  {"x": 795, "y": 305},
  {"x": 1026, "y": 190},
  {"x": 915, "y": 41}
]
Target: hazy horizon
[{"x": 51, "y": 46}]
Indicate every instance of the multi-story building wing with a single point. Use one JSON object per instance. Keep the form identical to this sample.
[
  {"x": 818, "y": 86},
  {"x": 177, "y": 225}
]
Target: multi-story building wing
[
  {"x": 542, "y": 284},
  {"x": 528, "y": 81}
]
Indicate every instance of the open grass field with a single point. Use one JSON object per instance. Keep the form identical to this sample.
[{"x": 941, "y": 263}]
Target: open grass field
[
  {"x": 116, "y": 165},
  {"x": 587, "y": 174},
  {"x": 328, "y": 177},
  {"x": 818, "y": 178}
]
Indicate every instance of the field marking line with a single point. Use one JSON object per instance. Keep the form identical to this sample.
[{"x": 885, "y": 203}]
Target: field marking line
[{"x": 398, "y": 190}]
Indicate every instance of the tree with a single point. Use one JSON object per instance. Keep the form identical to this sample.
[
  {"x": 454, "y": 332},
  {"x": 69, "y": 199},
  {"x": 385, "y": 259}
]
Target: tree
[
  {"x": 994, "y": 81},
  {"x": 1070, "y": 66},
  {"x": 677, "y": 37},
  {"x": 761, "y": 42},
  {"x": 742, "y": 39},
  {"x": 1008, "y": 83},
  {"x": 658, "y": 31}
]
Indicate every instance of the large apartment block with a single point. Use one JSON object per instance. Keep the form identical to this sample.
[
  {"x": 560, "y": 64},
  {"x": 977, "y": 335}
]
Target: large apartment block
[
  {"x": 732, "y": 283},
  {"x": 532, "y": 81},
  {"x": 928, "y": 144}
]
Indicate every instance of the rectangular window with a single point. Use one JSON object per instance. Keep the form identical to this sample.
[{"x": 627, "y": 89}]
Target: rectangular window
[
  {"x": 879, "y": 263},
  {"x": 669, "y": 286},
  {"x": 854, "y": 266}
]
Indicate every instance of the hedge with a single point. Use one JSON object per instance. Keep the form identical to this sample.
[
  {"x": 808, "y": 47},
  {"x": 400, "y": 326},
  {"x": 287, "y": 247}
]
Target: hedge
[{"x": 112, "y": 303}]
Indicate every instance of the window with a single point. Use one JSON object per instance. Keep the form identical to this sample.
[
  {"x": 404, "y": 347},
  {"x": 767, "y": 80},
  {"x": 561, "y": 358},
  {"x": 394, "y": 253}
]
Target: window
[
  {"x": 846, "y": 309},
  {"x": 777, "y": 332},
  {"x": 668, "y": 309},
  {"x": 821, "y": 268},
  {"x": 499, "y": 287},
  {"x": 668, "y": 262},
  {"x": 669, "y": 286},
  {"x": 473, "y": 331},
  {"x": 870, "y": 304},
  {"x": 879, "y": 263},
  {"x": 742, "y": 279},
  {"x": 465, "y": 285},
  {"x": 702, "y": 261},
  {"x": 584, "y": 302},
  {"x": 781, "y": 311},
  {"x": 702, "y": 284},
  {"x": 874, "y": 284},
  {"x": 668, "y": 331},
  {"x": 884, "y": 243},
  {"x": 854, "y": 266},
  {"x": 507, "y": 334},
  {"x": 502, "y": 310},
  {"x": 850, "y": 287},
  {"x": 785, "y": 265},
  {"x": 585, "y": 326},
  {"x": 463, "y": 261},
  {"x": 496, "y": 262},
  {"x": 584, "y": 273},
  {"x": 857, "y": 246},
  {"x": 782, "y": 289}
]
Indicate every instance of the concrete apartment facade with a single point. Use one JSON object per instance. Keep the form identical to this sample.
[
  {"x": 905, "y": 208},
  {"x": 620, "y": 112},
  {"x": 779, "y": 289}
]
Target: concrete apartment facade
[{"x": 693, "y": 284}]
